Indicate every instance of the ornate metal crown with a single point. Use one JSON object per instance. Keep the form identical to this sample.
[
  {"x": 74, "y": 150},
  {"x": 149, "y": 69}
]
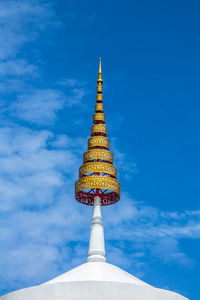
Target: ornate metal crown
[{"x": 97, "y": 175}]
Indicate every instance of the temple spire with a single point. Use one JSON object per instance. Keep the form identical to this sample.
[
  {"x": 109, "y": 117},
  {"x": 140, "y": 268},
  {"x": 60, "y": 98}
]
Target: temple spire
[{"x": 98, "y": 175}]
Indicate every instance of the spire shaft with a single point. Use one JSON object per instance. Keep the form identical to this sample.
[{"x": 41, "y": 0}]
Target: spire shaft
[
  {"x": 100, "y": 65},
  {"x": 99, "y": 80},
  {"x": 97, "y": 245}
]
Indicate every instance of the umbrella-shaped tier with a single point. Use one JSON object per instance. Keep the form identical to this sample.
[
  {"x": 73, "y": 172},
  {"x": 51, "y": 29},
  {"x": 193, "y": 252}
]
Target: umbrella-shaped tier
[{"x": 97, "y": 175}]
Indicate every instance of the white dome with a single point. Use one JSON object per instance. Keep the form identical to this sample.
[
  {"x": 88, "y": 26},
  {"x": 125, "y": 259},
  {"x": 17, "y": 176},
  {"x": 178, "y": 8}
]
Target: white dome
[
  {"x": 94, "y": 280},
  {"x": 97, "y": 271}
]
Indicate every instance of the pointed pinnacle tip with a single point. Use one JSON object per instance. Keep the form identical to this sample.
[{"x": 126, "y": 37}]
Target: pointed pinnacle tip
[{"x": 100, "y": 65}]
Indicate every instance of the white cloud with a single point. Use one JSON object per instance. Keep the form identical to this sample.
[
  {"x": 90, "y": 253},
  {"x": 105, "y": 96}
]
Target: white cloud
[
  {"x": 126, "y": 167},
  {"x": 8, "y": 85},
  {"x": 77, "y": 95},
  {"x": 38, "y": 211},
  {"x": 70, "y": 82},
  {"x": 119, "y": 256},
  {"x": 144, "y": 227},
  {"x": 18, "y": 67},
  {"x": 39, "y": 106},
  {"x": 76, "y": 90},
  {"x": 21, "y": 23},
  {"x": 30, "y": 172},
  {"x": 168, "y": 249}
]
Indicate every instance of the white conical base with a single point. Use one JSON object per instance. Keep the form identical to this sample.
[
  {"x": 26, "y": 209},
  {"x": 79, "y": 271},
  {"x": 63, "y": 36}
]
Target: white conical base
[
  {"x": 98, "y": 271},
  {"x": 94, "y": 280}
]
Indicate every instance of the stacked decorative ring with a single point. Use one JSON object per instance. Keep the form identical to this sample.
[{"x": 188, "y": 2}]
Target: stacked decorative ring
[{"x": 97, "y": 175}]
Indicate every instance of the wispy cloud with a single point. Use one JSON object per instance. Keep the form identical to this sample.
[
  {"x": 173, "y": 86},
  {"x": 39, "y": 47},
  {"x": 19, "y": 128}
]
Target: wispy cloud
[
  {"x": 168, "y": 250},
  {"x": 150, "y": 228},
  {"x": 36, "y": 191},
  {"x": 18, "y": 67},
  {"x": 76, "y": 90},
  {"x": 18, "y": 26},
  {"x": 29, "y": 169},
  {"x": 127, "y": 167},
  {"x": 38, "y": 106}
]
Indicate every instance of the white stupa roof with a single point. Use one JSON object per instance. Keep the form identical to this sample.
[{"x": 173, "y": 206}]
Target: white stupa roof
[
  {"x": 94, "y": 280},
  {"x": 97, "y": 271}
]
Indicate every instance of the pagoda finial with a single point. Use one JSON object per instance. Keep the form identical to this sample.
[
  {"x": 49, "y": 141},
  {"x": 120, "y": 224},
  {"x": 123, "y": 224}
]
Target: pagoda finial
[
  {"x": 97, "y": 175},
  {"x": 99, "y": 80}
]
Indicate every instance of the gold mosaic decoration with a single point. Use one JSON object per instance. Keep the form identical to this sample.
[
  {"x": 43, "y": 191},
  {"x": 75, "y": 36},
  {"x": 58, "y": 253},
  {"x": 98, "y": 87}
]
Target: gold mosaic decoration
[
  {"x": 97, "y": 175},
  {"x": 99, "y": 97},
  {"x": 99, "y": 117},
  {"x": 99, "y": 107},
  {"x": 100, "y": 182},
  {"x": 98, "y": 141},
  {"x": 99, "y": 154},
  {"x": 97, "y": 167},
  {"x": 99, "y": 128}
]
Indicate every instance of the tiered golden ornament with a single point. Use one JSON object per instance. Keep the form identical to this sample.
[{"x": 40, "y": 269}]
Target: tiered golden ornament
[{"x": 97, "y": 175}]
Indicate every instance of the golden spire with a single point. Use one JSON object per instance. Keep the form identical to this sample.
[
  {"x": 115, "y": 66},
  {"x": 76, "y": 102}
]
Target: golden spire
[
  {"x": 99, "y": 97},
  {"x": 97, "y": 175},
  {"x": 100, "y": 65}
]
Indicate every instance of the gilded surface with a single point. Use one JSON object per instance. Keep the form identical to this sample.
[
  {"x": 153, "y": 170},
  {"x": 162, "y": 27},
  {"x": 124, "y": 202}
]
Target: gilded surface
[
  {"x": 98, "y": 182},
  {"x": 99, "y": 128},
  {"x": 100, "y": 167},
  {"x": 99, "y": 97},
  {"x": 99, "y": 107},
  {"x": 98, "y": 159},
  {"x": 99, "y": 117},
  {"x": 98, "y": 141},
  {"x": 99, "y": 88},
  {"x": 98, "y": 154}
]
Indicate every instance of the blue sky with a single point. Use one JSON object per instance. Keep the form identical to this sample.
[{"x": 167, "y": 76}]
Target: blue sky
[{"x": 48, "y": 67}]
